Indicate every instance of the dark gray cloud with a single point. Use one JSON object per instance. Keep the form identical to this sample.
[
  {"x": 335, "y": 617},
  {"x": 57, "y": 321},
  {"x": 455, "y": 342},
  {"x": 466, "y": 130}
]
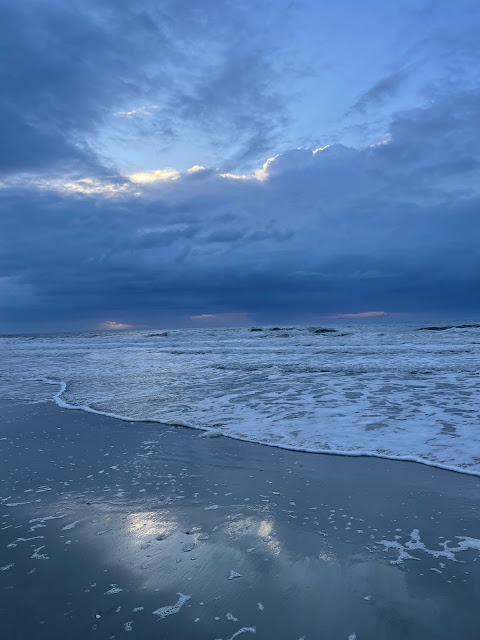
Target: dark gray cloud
[
  {"x": 68, "y": 68},
  {"x": 56, "y": 78},
  {"x": 392, "y": 227}
]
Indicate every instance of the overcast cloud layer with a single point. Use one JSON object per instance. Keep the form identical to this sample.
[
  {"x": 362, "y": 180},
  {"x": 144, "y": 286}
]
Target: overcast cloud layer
[{"x": 150, "y": 169}]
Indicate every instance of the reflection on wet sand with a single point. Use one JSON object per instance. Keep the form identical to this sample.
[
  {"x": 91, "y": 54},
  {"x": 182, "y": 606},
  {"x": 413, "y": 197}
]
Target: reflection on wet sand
[{"x": 217, "y": 536}]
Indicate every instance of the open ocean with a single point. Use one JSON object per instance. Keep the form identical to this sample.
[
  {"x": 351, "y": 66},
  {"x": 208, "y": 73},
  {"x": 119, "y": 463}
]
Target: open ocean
[{"x": 388, "y": 390}]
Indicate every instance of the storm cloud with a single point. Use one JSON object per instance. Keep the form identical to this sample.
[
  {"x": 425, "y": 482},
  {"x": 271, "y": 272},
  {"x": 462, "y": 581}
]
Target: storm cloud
[{"x": 392, "y": 225}]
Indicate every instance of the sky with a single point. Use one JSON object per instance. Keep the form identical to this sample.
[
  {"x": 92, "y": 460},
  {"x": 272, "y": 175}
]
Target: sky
[{"x": 228, "y": 162}]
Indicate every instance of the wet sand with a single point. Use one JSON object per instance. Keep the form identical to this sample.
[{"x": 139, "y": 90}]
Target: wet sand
[{"x": 104, "y": 523}]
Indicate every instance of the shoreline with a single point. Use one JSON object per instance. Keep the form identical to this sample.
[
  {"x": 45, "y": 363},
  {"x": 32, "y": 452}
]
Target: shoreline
[
  {"x": 99, "y": 517},
  {"x": 332, "y": 452}
]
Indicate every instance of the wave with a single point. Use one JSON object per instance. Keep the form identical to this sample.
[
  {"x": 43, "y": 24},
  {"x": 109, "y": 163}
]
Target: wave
[
  {"x": 83, "y": 407},
  {"x": 450, "y": 326},
  {"x": 180, "y": 423}
]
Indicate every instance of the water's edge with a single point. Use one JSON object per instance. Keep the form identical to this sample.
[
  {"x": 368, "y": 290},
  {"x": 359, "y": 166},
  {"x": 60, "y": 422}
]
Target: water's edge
[{"x": 334, "y": 452}]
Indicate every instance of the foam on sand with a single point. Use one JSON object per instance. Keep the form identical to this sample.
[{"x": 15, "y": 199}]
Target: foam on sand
[
  {"x": 386, "y": 391},
  {"x": 16, "y": 504},
  {"x": 233, "y": 574},
  {"x": 113, "y": 590},
  {"x": 231, "y": 617},
  {"x": 164, "y": 612},
  {"x": 14, "y": 543},
  {"x": 39, "y": 556},
  {"x": 415, "y": 544}
]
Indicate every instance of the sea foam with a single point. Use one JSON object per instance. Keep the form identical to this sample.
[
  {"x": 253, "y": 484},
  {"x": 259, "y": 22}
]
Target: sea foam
[{"x": 386, "y": 390}]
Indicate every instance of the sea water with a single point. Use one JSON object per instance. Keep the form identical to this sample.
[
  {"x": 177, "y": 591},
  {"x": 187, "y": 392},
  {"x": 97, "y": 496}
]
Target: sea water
[{"x": 389, "y": 390}]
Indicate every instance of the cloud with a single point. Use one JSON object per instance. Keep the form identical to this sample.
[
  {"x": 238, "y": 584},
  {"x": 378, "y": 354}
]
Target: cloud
[
  {"x": 383, "y": 89},
  {"x": 141, "y": 111},
  {"x": 384, "y": 227},
  {"x": 392, "y": 225},
  {"x": 53, "y": 95},
  {"x": 196, "y": 168},
  {"x": 86, "y": 186},
  {"x": 85, "y": 77},
  {"x": 154, "y": 175},
  {"x": 111, "y": 325}
]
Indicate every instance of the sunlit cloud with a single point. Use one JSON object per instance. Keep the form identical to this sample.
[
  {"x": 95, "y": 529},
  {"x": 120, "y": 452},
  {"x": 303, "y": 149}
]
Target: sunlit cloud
[
  {"x": 386, "y": 140},
  {"x": 132, "y": 182},
  {"x": 258, "y": 174},
  {"x": 262, "y": 174},
  {"x": 235, "y": 176},
  {"x": 141, "y": 111},
  {"x": 92, "y": 186},
  {"x": 202, "y": 316},
  {"x": 155, "y": 175},
  {"x": 111, "y": 325},
  {"x": 82, "y": 186}
]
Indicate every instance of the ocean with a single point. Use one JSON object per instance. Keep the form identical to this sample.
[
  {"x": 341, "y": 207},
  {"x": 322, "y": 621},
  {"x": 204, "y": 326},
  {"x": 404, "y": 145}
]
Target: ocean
[{"x": 392, "y": 390}]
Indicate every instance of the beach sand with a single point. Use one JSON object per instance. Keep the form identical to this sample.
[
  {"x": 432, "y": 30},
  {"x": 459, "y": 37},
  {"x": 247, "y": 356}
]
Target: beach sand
[{"x": 111, "y": 529}]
